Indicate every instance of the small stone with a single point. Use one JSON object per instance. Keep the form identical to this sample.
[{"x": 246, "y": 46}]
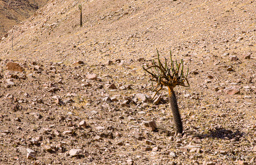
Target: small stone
[
  {"x": 172, "y": 154},
  {"x": 148, "y": 148},
  {"x": 17, "y": 119},
  {"x": 193, "y": 146},
  {"x": 155, "y": 149},
  {"x": 106, "y": 99},
  {"x": 9, "y": 83},
  {"x": 225, "y": 54},
  {"x": 240, "y": 162},
  {"x": 141, "y": 59},
  {"x": 151, "y": 124},
  {"x": 139, "y": 136},
  {"x": 91, "y": 76},
  {"x": 67, "y": 133},
  {"x": 187, "y": 95},
  {"x": 247, "y": 97},
  {"x": 232, "y": 91},
  {"x": 56, "y": 133},
  {"x": 239, "y": 39},
  {"x": 39, "y": 138},
  {"x": 195, "y": 150},
  {"x": 141, "y": 97},
  {"x": 82, "y": 123},
  {"x": 111, "y": 86},
  {"x": 122, "y": 87},
  {"x": 195, "y": 72},
  {"x": 78, "y": 63},
  {"x": 120, "y": 143},
  {"x": 129, "y": 161},
  {"x": 97, "y": 138},
  {"x": 48, "y": 148},
  {"x": 208, "y": 163},
  {"x": 16, "y": 107},
  {"x": 34, "y": 141},
  {"x": 109, "y": 62},
  {"x": 125, "y": 103},
  {"x": 247, "y": 56},
  {"x": 210, "y": 76},
  {"x": 36, "y": 115},
  {"x": 230, "y": 68},
  {"x": 149, "y": 142},
  {"x": 100, "y": 128},
  {"x": 130, "y": 118},
  {"x": 234, "y": 58},
  {"x": 75, "y": 152},
  {"x": 86, "y": 84},
  {"x": 114, "y": 98},
  {"x": 31, "y": 154}
]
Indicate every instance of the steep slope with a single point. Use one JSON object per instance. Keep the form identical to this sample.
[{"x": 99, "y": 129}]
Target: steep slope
[
  {"x": 128, "y": 24},
  {"x": 13, "y": 12},
  {"x": 82, "y": 96}
]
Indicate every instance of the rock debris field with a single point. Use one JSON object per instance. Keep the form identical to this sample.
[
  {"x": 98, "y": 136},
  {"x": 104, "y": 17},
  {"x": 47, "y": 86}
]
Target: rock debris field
[{"x": 79, "y": 95}]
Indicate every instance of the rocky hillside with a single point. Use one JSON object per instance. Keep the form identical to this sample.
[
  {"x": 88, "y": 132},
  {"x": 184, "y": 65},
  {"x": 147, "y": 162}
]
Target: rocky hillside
[
  {"x": 12, "y": 12},
  {"x": 72, "y": 94}
]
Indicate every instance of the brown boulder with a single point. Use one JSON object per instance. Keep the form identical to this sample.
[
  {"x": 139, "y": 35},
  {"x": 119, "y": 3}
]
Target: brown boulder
[{"x": 12, "y": 66}]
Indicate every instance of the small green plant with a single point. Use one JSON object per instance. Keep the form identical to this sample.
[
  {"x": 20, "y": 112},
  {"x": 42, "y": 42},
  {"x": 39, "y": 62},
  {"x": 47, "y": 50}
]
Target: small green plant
[
  {"x": 169, "y": 76},
  {"x": 81, "y": 15}
]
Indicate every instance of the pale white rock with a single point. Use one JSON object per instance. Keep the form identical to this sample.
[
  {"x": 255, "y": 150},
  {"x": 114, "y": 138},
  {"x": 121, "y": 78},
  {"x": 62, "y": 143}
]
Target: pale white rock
[
  {"x": 106, "y": 99},
  {"x": 208, "y": 163},
  {"x": 193, "y": 146},
  {"x": 232, "y": 90},
  {"x": 141, "y": 97},
  {"x": 31, "y": 154},
  {"x": 82, "y": 123},
  {"x": 114, "y": 98},
  {"x": 129, "y": 161},
  {"x": 91, "y": 76},
  {"x": 75, "y": 152},
  {"x": 67, "y": 133},
  {"x": 172, "y": 154},
  {"x": 187, "y": 95},
  {"x": 9, "y": 82},
  {"x": 100, "y": 128}
]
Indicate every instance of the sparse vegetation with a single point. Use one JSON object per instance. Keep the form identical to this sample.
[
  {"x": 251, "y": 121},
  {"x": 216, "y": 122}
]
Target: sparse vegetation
[{"x": 169, "y": 76}]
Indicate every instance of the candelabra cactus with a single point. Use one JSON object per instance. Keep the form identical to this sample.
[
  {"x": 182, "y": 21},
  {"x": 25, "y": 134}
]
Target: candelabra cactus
[{"x": 169, "y": 76}]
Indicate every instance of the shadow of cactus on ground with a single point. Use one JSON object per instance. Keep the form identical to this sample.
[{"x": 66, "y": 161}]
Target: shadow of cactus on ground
[{"x": 222, "y": 133}]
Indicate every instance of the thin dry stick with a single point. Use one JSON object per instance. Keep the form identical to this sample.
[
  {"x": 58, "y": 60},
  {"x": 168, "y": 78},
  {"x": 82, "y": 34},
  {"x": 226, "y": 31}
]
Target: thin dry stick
[
  {"x": 169, "y": 76},
  {"x": 81, "y": 15},
  {"x": 12, "y": 38}
]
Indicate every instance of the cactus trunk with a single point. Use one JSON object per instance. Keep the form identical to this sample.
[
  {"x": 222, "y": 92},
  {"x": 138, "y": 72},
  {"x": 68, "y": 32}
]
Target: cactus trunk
[{"x": 175, "y": 110}]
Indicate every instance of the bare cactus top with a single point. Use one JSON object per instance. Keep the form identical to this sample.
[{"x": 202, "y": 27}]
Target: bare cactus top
[
  {"x": 165, "y": 75},
  {"x": 80, "y": 7}
]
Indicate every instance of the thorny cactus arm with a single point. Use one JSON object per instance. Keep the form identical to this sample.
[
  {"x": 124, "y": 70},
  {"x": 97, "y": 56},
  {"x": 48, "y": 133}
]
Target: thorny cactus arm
[{"x": 170, "y": 77}]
